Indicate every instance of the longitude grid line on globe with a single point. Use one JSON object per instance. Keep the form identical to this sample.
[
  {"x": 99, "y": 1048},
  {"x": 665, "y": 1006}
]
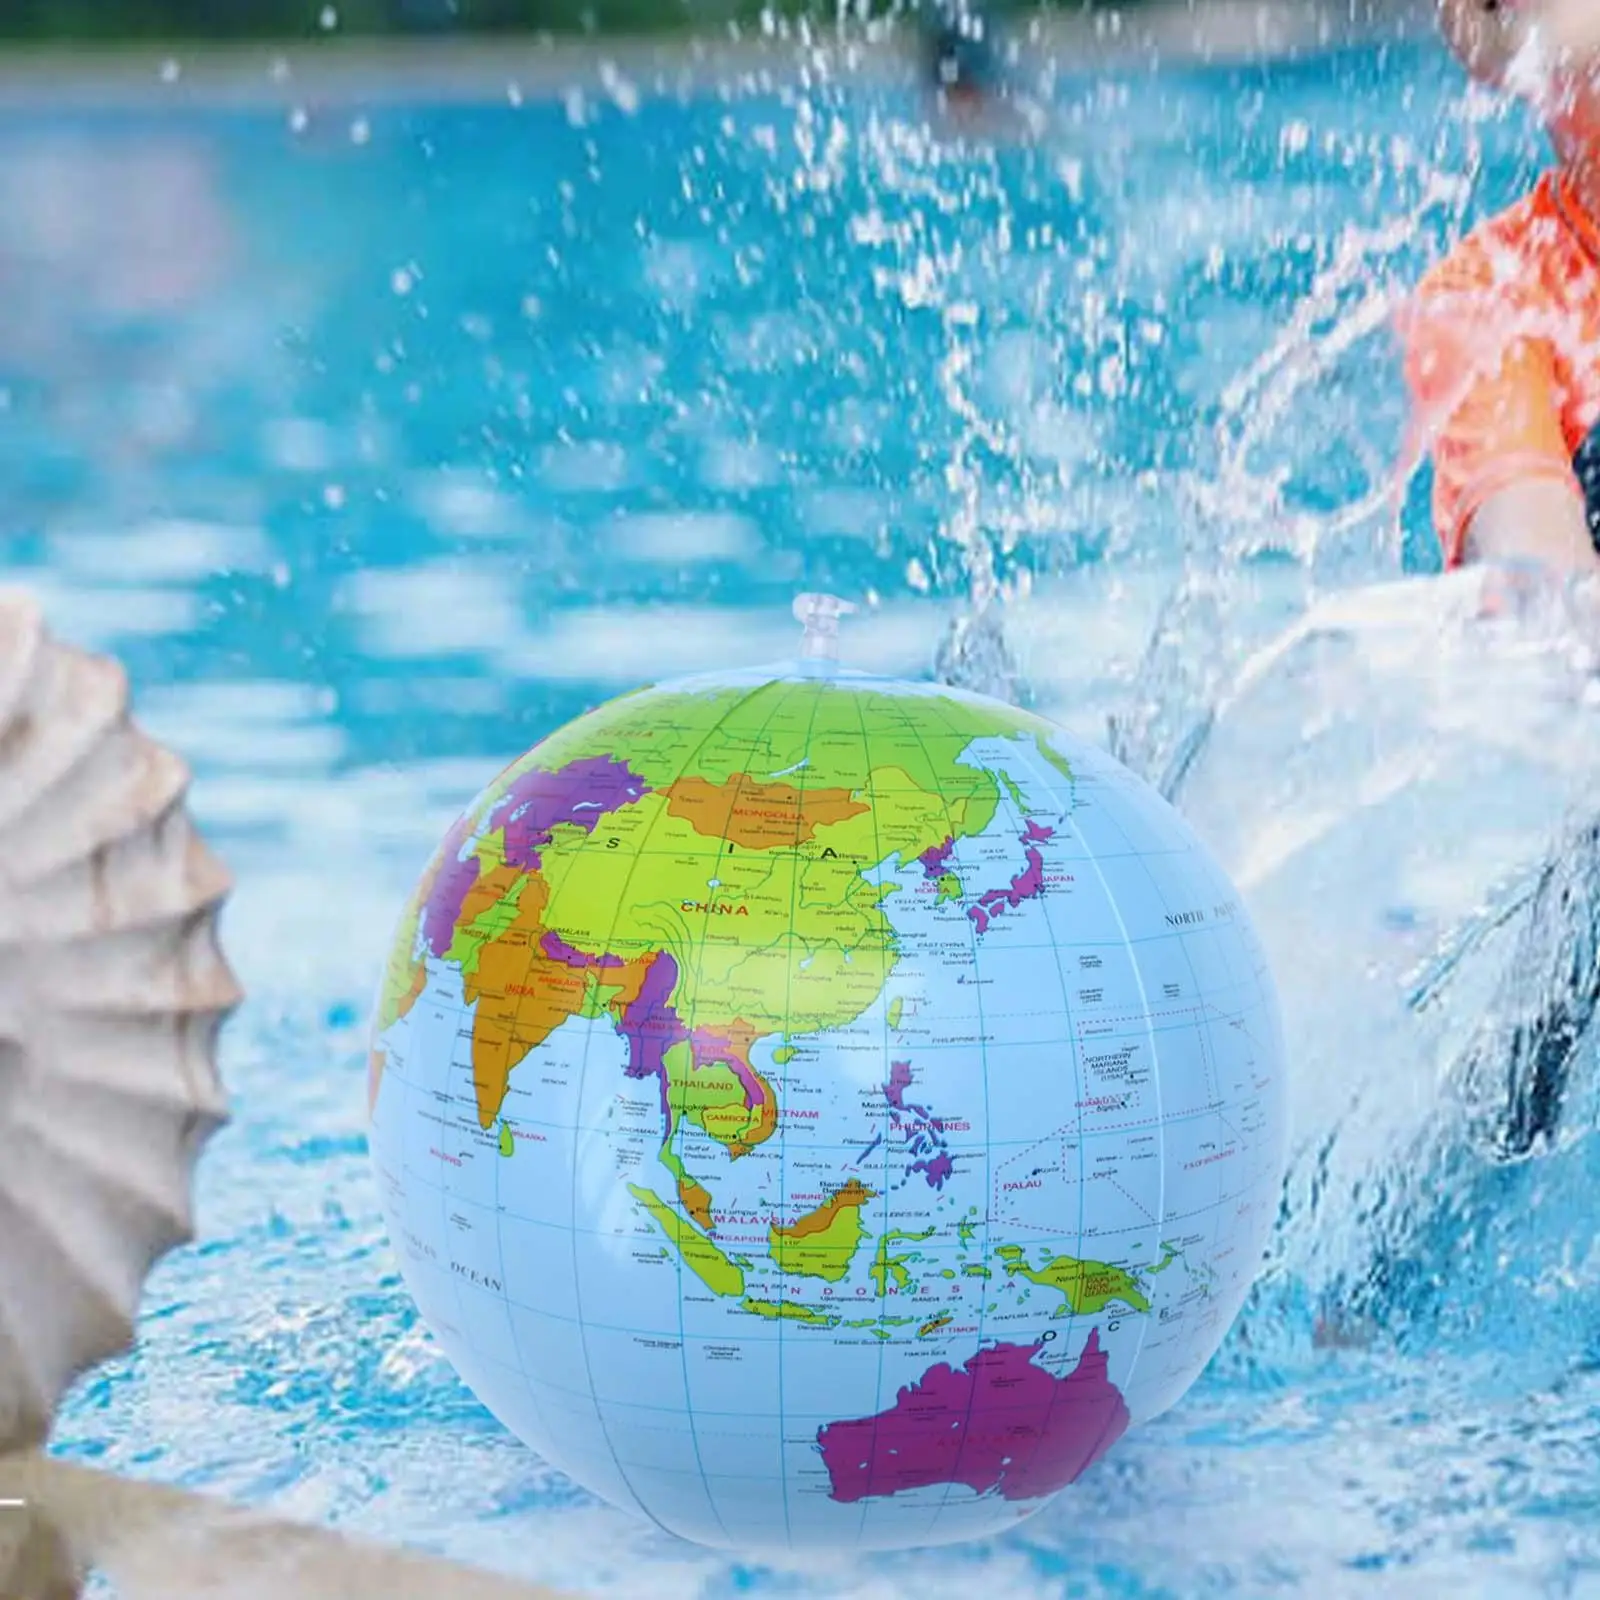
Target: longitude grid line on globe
[
  {"x": 633, "y": 866},
  {"x": 936, "y": 708},
  {"x": 456, "y": 1286},
  {"x": 500, "y": 1254},
  {"x": 1155, "y": 1075},
  {"x": 1203, "y": 1039},
  {"x": 883, "y": 1284},
  {"x": 1076, "y": 1246},
  {"x": 788, "y": 999},
  {"x": 1073, "y": 1043}
]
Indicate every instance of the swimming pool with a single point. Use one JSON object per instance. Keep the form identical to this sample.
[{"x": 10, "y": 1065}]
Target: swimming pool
[{"x": 377, "y": 440}]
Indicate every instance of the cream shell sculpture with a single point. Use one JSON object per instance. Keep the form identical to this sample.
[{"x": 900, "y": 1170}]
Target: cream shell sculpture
[
  {"x": 111, "y": 996},
  {"x": 113, "y": 990}
]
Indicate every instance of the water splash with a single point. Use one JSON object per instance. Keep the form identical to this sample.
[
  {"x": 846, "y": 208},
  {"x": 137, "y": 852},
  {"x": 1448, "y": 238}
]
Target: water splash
[
  {"x": 1371, "y": 1229},
  {"x": 1366, "y": 1243},
  {"x": 1243, "y": 514},
  {"x": 974, "y": 653},
  {"x": 938, "y": 214}
]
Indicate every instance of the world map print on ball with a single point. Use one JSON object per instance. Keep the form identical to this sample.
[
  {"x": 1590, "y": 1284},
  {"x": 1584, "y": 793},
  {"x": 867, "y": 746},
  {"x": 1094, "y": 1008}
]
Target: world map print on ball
[{"x": 814, "y": 1109}]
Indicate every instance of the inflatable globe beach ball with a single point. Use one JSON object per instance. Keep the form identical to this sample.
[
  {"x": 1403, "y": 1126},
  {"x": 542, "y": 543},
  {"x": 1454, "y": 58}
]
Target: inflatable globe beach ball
[{"x": 818, "y": 1110}]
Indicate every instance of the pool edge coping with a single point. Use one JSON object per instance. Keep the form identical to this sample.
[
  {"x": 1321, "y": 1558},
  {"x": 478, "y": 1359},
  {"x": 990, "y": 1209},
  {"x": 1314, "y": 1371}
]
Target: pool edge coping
[{"x": 361, "y": 73}]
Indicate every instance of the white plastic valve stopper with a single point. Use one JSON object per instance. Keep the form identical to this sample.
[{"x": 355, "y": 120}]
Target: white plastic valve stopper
[{"x": 819, "y": 615}]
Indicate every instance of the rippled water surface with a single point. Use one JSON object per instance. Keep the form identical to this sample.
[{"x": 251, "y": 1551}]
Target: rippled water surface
[{"x": 379, "y": 440}]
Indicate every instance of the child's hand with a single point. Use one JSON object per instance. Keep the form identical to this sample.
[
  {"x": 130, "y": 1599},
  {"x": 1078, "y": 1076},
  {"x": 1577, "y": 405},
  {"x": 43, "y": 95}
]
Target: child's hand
[
  {"x": 1582, "y": 598},
  {"x": 1559, "y": 605}
]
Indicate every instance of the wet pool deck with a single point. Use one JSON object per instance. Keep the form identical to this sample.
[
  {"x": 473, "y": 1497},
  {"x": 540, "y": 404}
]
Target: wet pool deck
[{"x": 438, "y": 70}]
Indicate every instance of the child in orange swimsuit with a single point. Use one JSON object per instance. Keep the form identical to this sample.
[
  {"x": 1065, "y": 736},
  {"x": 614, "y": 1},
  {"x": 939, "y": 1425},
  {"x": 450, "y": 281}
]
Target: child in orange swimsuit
[{"x": 1502, "y": 338}]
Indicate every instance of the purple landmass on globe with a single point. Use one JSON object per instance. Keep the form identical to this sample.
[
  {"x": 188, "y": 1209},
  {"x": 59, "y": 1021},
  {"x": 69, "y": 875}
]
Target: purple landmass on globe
[
  {"x": 899, "y": 1081},
  {"x": 997, "y": 1424},
  {"x": 557, "y": 948},
  {"x": 651, "y": 1026},
  {"x": 1027, "y": 885},
  {"x": 1035, "y": 833},
  {"x": 580, "y": 792},
  {"x": 933, "y": 859},
  {"x": 716, "y": 1049},
  {"x": 450, "y": 890},
  {"x": 895, "y": 1089},
  {"x": 918, "y": 1139}
]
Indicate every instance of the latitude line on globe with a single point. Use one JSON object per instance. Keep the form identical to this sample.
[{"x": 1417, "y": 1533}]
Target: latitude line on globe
[{"x": 843, "y": 1149}]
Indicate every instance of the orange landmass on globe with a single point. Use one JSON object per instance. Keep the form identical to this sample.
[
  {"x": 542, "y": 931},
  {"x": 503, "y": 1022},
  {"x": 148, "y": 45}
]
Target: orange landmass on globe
[
  {"x": 697, "y": 1202},
  {"x": 821, "y": 1243},
  {"x": 759, "y": 816},
  {"x": 521, "y": 994},
  {"x": 853, "y": 1193},
  {"x": 375, "y": 1065}
]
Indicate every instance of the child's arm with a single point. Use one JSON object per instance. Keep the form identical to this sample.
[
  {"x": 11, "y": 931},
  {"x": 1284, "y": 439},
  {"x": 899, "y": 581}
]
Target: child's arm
[{"x": 1505, "y": 488}]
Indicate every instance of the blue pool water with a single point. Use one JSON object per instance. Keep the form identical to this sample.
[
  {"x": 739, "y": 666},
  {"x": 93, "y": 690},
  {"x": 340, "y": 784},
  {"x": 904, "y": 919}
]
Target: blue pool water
[{"x": 378, "y": 440}]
